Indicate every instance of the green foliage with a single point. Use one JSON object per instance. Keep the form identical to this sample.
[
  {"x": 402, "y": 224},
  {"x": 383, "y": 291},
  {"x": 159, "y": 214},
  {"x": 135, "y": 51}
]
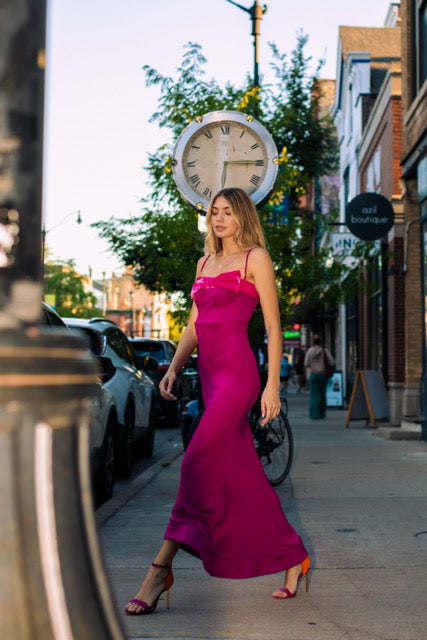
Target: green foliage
[
  {"x": 163, "y": 243},
  {"x": 71, "y": 298}
]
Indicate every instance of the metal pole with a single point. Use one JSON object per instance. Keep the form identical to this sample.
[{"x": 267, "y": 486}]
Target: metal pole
[
  {"x": 256, "y": 15},
  {"x": 256, "y": 12},
  {"x": 52, "y": 581},
  {"x": 131, "y": 313}
]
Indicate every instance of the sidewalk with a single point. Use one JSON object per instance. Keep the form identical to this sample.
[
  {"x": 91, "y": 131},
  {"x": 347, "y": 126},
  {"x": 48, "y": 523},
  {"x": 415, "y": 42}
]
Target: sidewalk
[{"x": 357, "y": 500}]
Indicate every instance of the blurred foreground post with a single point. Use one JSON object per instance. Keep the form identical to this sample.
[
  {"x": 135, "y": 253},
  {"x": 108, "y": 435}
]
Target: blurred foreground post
[{"x": 52, "y": 580}]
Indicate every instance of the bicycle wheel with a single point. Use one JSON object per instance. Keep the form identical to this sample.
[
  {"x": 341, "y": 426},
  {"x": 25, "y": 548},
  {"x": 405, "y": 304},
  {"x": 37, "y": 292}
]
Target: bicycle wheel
[
  {"x": 189, "y": 428},
  {"x": 274, "y": 445}
]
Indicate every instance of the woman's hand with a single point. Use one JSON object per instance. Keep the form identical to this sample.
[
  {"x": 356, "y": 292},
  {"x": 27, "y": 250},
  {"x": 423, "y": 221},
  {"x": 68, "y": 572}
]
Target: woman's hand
[
  {"x": 166, "y": 385},
  {"x": 270, "y": 404}
]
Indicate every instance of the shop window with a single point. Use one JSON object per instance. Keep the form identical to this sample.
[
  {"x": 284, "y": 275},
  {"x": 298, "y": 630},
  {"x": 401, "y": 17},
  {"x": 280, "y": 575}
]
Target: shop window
[
  {"x": 424, "y": 238},
  {"x": 421, "y": 41},
  {"x": 375, "y": 316},
  {"x": 352, "y": 342}
]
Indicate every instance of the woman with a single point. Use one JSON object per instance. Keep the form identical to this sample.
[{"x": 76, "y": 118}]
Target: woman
[
  {"x": 226, "y": 512},
  {"x": 314, "y": 363}
]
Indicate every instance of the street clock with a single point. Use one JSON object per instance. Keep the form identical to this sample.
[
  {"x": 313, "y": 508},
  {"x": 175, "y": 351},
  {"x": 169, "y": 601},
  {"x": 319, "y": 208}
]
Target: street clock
[{"x": 224, "y": 149}]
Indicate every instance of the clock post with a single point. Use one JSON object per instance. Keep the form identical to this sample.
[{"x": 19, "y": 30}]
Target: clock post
[{"x": 256, "y": 12}]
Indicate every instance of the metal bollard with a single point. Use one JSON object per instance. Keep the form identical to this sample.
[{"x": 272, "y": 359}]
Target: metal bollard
[{"x": 53, "y": 584}]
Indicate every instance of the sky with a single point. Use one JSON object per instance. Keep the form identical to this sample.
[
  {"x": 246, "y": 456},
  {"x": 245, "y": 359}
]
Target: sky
[{"x": 97, "y": 106}]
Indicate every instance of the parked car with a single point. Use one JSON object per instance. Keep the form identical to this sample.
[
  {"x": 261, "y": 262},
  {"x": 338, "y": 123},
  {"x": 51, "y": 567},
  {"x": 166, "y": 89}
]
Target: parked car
[
  {"x": 103, "y": 421},
  {"x": 132, "y": 389},
  {"x": 154, "y": 357}
]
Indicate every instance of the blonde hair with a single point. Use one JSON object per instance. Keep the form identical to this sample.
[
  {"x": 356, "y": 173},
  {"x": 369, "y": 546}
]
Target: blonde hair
[{"x": 249, "y": 232}]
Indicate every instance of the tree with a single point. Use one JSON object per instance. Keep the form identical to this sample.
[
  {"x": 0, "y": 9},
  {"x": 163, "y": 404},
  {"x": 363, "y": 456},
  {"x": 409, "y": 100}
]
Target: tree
[
  {"x": 71, "y": 298},
  {"x": 163, "y": 243}
]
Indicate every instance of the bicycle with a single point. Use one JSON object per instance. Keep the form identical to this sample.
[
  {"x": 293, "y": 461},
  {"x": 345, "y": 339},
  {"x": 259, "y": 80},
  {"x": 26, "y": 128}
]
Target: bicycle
[{"x": 273, "y": 442}]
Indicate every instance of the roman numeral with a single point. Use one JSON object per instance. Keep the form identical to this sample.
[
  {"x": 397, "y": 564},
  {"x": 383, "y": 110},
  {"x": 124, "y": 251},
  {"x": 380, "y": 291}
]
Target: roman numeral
[
  {"x": 242, "y": 134},
  {"x": 259, "y": 163},
  {"x": 255, "y": 180},
  {"x": 255, "y": 146},
  {"x": 195, "y": 180},
  {"x": 207, "y": 134},
  {"x": 207, "y": 193},
  {"x": 193, "y": 146},
  {"x": 191, "y": 164},
  {"x": 225, "y": 129}
]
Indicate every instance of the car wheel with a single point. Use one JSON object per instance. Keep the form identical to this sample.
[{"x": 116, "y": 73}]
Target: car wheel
[
  {"x": 126, "y": 448},
  {"x": 173, "y": 415},
  {"x": 147, "y": 445},
  {"x": 104, "y": 478}
]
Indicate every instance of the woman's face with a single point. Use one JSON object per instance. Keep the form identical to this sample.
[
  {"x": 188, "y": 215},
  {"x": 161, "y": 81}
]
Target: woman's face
[{"x": 224, "y": 224}]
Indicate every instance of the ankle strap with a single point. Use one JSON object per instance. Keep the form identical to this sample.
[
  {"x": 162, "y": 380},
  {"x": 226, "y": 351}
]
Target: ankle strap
[{"x": 160, "y": 566}]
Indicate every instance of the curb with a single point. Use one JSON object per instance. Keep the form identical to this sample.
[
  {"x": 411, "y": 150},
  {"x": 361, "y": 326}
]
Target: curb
[
  {"x": 112, "y": 506},
  {"x": 397, "y": 433}
]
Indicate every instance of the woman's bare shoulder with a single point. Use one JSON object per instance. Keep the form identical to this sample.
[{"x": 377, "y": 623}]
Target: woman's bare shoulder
[
  {"x": 260, "y": 255},
  {"x": 260, "y": 258}
]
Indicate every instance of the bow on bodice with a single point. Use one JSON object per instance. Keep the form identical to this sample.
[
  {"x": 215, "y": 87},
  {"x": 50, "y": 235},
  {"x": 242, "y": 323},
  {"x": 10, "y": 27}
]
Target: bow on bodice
[{"x": 228, "y": 280}]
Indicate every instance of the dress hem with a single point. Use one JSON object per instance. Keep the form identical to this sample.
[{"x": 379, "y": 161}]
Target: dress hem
[{"x": 230, "y": 568}]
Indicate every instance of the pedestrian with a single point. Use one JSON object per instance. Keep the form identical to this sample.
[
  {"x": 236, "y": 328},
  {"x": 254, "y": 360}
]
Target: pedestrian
[
  {"x": 226, "y": 512},
  {"x": 285, "y": 372},
  {"x": 314, "y": 363},
  {"x": 299, "y": 370}
]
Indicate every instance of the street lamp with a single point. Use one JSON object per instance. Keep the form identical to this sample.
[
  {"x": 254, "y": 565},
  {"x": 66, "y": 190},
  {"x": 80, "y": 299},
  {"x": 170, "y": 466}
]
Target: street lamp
[
  {"x": 256, "y": 12},
  {"x": 45, "y": 231}
]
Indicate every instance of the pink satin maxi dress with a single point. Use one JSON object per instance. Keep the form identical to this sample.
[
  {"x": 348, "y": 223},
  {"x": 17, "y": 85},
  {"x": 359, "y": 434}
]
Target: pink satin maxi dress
[{"x": 226, "y": 512}]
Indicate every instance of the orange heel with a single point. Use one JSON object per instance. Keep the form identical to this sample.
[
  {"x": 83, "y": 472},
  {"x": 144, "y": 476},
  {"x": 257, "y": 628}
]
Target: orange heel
[{"x": 305, "y": 569}]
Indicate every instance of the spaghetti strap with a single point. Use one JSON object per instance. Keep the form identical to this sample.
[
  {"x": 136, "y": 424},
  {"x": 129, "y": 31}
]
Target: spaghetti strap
[
  {"x": 205, "y": 261},
  {"x": 246, "y": 262}
]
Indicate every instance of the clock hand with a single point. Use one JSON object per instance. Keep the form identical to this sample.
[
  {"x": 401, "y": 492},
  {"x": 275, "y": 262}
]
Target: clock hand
[
  {"x": 241, "y": 161},
  {"x": 224, "y": 173}
]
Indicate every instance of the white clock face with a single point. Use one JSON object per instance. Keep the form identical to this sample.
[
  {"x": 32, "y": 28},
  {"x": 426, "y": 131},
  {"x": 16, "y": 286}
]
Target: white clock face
[
  {"x": 225, "y": 149},
  {"x": 225, "y": 154}
]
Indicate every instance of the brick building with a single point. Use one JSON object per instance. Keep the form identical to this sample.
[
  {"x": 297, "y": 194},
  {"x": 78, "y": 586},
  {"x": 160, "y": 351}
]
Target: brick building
[
  {"x": 367, "y": 114},
  {"x": 381, "y": 326},
  {"x": 414, "y": 178}
]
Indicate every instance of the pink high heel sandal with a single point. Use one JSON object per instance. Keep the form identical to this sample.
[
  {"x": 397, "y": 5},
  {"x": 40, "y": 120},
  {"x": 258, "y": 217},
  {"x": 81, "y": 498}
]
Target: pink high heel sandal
[
  {"x": 305, "y": 568},
  {"x": 150, "y": 608}
]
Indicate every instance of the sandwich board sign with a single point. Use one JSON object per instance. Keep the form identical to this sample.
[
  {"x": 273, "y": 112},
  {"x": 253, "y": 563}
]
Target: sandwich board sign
[{"x": 368, "y": 399}]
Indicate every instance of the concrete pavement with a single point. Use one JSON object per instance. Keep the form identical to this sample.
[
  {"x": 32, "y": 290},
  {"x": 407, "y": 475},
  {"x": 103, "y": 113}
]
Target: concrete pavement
[{"x": 359, "y": 502}]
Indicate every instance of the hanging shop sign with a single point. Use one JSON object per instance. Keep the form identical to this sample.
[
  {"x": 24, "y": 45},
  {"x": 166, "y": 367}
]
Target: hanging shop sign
[{"x": 369, "y": 216}]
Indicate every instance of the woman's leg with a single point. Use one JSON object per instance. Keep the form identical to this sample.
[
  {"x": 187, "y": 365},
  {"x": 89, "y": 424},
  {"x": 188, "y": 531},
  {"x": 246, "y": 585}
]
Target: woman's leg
[{"x": 155, "y": 578}]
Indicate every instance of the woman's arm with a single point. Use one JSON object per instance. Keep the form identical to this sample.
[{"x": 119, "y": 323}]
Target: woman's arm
[
  {"x": 188, "y": 342},
  {"x": 262, "y": 273}
]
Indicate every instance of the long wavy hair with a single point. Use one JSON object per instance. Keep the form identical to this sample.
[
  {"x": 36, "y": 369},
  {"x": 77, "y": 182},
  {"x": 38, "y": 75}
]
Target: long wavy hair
[{"x": 249, "y": 232}]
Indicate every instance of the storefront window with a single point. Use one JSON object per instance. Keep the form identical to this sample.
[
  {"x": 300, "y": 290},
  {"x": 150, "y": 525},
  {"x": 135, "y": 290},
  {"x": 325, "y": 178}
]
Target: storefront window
[
  {"x": 375, "y": 315},
  {"x": 424, "y": 220},
  {"x": 352, "y": 342},
  {"x": 421, "y": 49},
  {"x": 422, "y": 194}
]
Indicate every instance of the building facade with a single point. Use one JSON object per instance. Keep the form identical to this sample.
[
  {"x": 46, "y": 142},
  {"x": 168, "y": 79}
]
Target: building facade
[
  {"x": 367, "y": 114},
  {"x": 414, "y": 178},
  {"x": 137, "y": 311}
]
